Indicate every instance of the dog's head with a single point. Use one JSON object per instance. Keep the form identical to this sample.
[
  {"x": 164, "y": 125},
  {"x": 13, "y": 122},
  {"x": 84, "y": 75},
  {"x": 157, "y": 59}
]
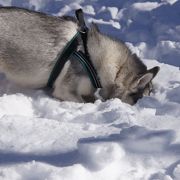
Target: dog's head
[
  {"x": 132, "y": 89},
  {"x": 123, "y": 75}
]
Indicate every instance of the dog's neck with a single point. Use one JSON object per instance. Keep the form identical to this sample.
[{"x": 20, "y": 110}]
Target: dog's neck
[
  {"x": 110, "y": 56},
  {"x": 105, "y": 55}
]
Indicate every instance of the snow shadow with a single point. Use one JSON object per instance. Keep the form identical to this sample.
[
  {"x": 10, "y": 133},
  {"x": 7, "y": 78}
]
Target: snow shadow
[
  {"x": 140, "y": 140},
  {"x": 98, "y": 152},
  {"x": 169, "y": 107},
  {"x": 171, "y": 168},
  {"x": 61, "y": 159},
  {"x": 95, "y": 152},
  {"x": 169, "y": 171},
  {"x": 174, "y": 94}
]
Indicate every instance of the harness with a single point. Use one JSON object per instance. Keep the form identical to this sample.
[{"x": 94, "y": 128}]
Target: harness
[{"x": 70, "y": 52}]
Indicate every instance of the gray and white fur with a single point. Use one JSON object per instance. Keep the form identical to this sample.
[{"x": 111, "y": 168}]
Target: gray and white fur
[{"x": 30, "y": 42}]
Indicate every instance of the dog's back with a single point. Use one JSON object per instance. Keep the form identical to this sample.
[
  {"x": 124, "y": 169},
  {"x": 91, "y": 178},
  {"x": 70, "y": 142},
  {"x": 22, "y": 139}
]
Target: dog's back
[{"x": 29, "y": 44}]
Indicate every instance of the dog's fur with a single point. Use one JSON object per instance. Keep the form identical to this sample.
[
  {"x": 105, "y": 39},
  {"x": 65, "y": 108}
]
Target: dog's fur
[{"x": 30, "y": 42}]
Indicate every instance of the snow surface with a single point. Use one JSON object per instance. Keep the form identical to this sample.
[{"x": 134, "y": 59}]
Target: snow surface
[
  {"x": 44, "y": 139},
  {"x": 146, "y": 6}
]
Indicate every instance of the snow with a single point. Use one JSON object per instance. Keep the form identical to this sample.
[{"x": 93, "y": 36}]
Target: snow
[
  {"x": 146, "y": 6},
  {"x": 38, "y": 4},
  {"x": 89, "y": 10},
  {"x": 101, "y": 21},
  {"x": 73, "y": 6},
  {"x": 43, "y": 138},
  {"x": 113, "y": 11},
  {"x": 170, "y": 1}
]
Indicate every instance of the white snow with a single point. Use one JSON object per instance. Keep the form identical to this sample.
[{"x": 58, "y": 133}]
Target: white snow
[
  {"x": 89, "y": 10},
  {"x": 113, "y": 11},
  {"x": 101, "y": 21},
  {"x": 38, "y": 4},
  {"x": 169, "y": 1},
  {"x": 44, "y": 139},
  {"x": 67, "y": 8},
  {"x": 146, "y": 6}
]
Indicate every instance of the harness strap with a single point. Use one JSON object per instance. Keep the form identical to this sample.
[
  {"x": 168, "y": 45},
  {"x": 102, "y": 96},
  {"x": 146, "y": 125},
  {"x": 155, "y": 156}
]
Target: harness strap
[
  {"x": 87, "y": 65},
  {"x": 81, "y": 22},
  {"x": 83, "y": 29},
  {"x": 61, "y": 59},
  {"x": 70, "y": 51},
  {"x": 84, "y": 58}
]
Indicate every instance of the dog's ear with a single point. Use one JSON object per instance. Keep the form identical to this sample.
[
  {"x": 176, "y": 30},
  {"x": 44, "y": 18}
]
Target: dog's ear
[
  {"x": 154, "y": 70},
  {"x": 94, "y": 27},
  {"x": 147, "y": 77}
]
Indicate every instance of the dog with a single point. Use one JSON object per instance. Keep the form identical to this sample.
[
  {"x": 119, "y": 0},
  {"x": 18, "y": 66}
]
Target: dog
[{"x": 30, "y": 42}]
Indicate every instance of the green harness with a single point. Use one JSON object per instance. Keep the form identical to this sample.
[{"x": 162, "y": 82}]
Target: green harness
[{"x": 70, "y": 51}]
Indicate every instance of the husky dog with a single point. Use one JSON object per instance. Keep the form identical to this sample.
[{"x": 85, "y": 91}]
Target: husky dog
[{"x": 30, "y": 42}]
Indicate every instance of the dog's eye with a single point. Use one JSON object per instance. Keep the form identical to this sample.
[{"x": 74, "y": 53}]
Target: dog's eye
[{"x": 135, "y": 96}]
